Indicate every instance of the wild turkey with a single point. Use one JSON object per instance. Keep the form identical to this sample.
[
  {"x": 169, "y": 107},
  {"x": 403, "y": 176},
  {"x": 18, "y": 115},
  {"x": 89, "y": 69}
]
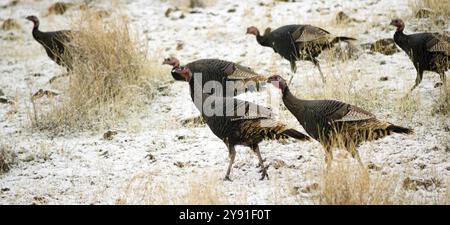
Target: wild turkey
[
  {"x": 334, "y": 123},
  {"x": 297, "y": 42},
  {"x": 53, "y": 42},
  {"x": 237, "y": 122},
  {"x": 427, "y": 51},
  {"x": 230, "y": 75}
]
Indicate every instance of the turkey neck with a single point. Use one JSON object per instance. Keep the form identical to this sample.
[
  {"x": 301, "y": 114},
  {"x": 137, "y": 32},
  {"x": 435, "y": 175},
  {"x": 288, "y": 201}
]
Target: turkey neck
[
  {"x": 294, "y": 105},
  {"x": 263, "y": 40},
  {"x": 36, "y": 32},
  {"x": 401, "y": 39}
]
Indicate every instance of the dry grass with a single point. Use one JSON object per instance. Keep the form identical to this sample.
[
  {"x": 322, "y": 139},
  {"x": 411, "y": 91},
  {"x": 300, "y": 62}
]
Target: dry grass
[
  {"x": 59, "y": 8},
  {"x": 10, "y": 24},
  {"x": 189, "y": 4},
  {"x": 442, "y": 105},
  {"x": 7, "y": 158},
  {"x": 151, "y": 189},
  {"x": 346, "y": 184},
  {"x": 409, "y": 107},
  {"x": 343, "y": 87},
  {"x": 112, "y": 77},
  {"x": 438, "y": 7}
]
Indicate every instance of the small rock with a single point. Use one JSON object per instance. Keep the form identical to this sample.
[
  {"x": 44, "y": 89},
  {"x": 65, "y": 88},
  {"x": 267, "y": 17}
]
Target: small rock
[
  {"x": 168, "y": 12},
  {"x": 295, "y": 190},
  {"x": 150, "y": 157},
  {"x": 41, "y": 93},
  {"x": 39, "y": 199},
  {"x": 373, "y": 166},
  {"x": 424, "y": 13},
  {"x": 231, "y": 10},
  {"x": 384, "y": 78},
  {"x": 5, "y": 189},
  {"x": 422, "y": 166},
  {"x": 278, "y": 163},
  {"x": 109, "y": 135},
  {"x": 4, "y": 100},
  {"x": 448, "y": 168},
  {"x": 415, "y": 184},
  {"x": 37, "y": 75},
  {"x": 1, "y": 92},
  {"x": 181, "y": 164},
  {"x": 383, "y": 62},
  {"x": 193, "y": 122},
  {"x": 28, "y": 158},
  {"x": 300, "y": 157},
  {"x": 384, "y": 46},
  {"x": 180, "y": 46},
  {"x": 104, "y": 154},
  {"x": 310, "y": 188},
  {"x": 181, "y": 137}
]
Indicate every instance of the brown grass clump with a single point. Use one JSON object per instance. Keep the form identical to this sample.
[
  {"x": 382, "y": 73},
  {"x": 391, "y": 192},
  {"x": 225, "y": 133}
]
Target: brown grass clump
[
  {"x": 442, "y": 106},
  {"x": 59, "y": 8},
  {"x": 112, "y": 77},
  {"x": 7, "y": 158},
  {"x": 10, "y": 24},
  {"x": 431, "y": 8},
  {"x": 348, "y": 185}
]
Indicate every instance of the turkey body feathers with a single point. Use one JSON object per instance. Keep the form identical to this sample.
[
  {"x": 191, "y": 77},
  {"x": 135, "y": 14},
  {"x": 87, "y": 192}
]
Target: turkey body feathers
[{"x": 54, "y": 44}]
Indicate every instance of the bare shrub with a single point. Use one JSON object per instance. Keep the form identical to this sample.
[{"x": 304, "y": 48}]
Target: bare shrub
[
  {"x": 7, "y": 158},
  {"x": 112, "y": 76}
]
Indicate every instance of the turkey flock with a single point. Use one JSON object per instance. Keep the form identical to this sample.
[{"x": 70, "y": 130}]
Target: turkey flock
[{"x": 334, "y": 124}]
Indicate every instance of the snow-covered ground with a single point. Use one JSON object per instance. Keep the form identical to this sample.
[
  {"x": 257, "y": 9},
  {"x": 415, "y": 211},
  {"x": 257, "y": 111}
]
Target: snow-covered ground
[{"x": 162, "y": 161}]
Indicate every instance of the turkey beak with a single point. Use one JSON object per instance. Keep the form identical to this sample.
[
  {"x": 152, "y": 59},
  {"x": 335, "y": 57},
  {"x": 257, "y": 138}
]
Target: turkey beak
[{"x": 392, "y": 23}]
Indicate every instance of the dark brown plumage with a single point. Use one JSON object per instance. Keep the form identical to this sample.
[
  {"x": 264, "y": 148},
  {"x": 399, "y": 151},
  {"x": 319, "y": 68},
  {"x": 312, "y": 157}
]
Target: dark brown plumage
[
  {"x": 427, "y": 51},
  {"x": 334, "y": 123},
  {"x": 234, "y": 77},
  {"x": 297, "y": 42},
  {"x": 237, "y": 122},
  {"x": 54, "y": 43}
]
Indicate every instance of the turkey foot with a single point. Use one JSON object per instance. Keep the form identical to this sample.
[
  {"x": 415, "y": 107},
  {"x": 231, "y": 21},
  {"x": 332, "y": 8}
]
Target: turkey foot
[{"x": 264, "y": 173}]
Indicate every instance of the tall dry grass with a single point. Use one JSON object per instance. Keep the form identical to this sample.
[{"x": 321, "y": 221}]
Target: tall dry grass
[
  {"x": 442, "y": 105},
  {"x": 348, "y": 185},
  {"x": 151, "y": 189},
  {"x": 439, "y": 7},
  {"x": 112, "y": 77},
  {"x": 7, "y": 158}
]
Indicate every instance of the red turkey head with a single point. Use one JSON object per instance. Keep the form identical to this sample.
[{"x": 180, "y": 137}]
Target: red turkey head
[
  {"x": 183, "y": 72},
  {"x": 278, "y": 82},
  {"x": 174, "y": 62},
  {"x": 252, "y": 30},
  {"x": 33, "y": 19},
  {"x": 398, "y": 23}
]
